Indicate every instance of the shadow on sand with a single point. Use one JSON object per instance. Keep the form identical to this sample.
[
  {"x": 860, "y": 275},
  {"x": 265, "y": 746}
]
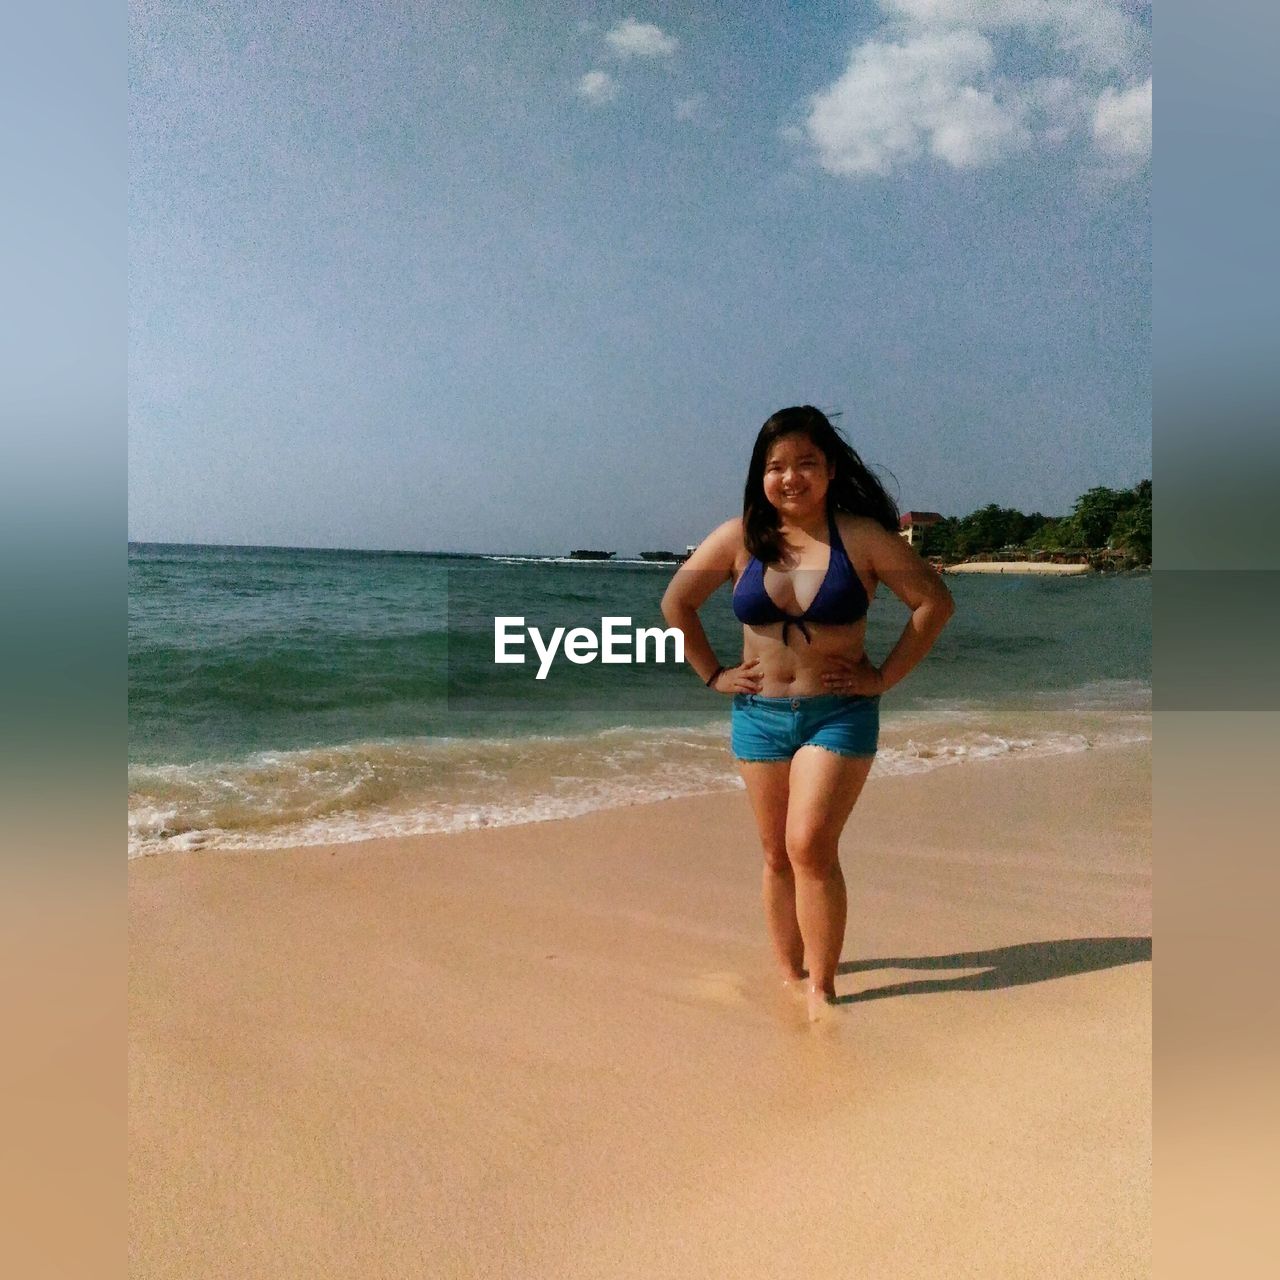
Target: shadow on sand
[{"x": 1005, "y": 966}]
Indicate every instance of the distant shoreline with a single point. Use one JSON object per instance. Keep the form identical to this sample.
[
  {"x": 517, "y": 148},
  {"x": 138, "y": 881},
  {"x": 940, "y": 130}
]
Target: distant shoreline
[
  {"x": 1017, "y": 566},
  {"x": 963, "y": 566}
]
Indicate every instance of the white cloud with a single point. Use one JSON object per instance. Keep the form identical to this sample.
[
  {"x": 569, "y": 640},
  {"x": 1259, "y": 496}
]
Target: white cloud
[
  {"x": 975, "y": 129},
  {"x": 1096, "y": 32},
  {"x": 632, "y": 39},
  {"x": 598, "y": 86},
  {"x": 689, "y": 108},
  {"x": 1122, "y": 122},
  {"x": 930, "y": 83},
  {"x": 895, "y": 101}
]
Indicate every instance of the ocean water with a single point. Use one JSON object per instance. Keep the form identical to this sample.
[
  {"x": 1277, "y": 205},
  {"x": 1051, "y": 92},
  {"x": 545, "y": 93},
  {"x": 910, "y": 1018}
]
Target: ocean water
[{"x": 281, "y": 697}]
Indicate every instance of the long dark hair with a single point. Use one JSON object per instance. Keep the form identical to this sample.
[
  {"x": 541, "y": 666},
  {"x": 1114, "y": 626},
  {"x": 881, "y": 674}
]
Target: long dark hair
[{"x": 854, "y": 488}]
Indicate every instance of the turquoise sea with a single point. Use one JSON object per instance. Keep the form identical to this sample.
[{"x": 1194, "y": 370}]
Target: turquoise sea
[{"x": 281, "y": 696}]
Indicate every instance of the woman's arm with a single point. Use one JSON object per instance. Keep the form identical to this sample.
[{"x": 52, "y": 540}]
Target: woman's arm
[
  {"x": 920, "y": 587},
  {"x": 708, "y": 568}
]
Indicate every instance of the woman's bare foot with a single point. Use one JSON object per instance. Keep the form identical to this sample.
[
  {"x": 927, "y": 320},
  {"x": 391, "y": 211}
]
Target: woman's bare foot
[
  {"x": 794, "y": 981},
  {"x": 820, "y": 1001}
]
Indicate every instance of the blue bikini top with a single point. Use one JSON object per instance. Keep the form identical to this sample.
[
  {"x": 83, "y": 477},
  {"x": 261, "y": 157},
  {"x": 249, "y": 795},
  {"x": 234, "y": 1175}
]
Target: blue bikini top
[{"x": 841, "y": 598}]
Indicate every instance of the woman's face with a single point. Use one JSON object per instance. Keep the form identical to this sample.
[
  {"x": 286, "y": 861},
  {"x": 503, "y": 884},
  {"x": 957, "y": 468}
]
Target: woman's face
[{"x": 796, "y": 477}]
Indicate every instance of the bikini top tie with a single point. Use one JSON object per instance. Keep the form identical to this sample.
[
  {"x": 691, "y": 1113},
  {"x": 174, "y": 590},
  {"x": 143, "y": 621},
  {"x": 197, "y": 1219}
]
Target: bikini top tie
[{"x": 841, "y": 598}]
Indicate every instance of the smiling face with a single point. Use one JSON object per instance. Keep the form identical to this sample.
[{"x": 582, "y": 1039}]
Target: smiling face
[{"x": 796, "y": 477}]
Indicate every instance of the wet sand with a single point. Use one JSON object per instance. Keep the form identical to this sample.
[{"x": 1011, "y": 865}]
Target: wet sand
[{"x": 560, "y": 1050}]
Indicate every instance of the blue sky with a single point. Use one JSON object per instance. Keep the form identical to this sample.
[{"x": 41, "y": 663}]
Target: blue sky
[{"x": 521, "y": 277}]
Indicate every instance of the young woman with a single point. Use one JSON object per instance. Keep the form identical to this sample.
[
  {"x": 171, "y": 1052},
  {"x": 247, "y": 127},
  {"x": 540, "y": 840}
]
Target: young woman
[{"x": 817, "y": 535}]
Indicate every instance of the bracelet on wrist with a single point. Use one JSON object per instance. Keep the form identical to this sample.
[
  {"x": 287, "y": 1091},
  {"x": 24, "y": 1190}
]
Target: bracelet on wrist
[{"x": 714, "y": 676}]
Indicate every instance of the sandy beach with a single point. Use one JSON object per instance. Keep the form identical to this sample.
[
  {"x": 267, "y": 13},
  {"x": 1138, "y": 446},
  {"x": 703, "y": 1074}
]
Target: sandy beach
[
  {"x": 1018, "y": 566},
  {"x": 560, "y": 1050}
]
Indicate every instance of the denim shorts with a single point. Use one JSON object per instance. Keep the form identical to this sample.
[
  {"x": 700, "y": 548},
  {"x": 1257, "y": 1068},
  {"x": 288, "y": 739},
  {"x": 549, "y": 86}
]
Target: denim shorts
[{"x": 776, "y": 728}]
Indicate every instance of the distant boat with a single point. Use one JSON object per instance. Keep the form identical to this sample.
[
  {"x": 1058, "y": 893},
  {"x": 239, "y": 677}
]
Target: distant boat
[
  {"x": 668, "y": 557},
  {"x": 582, "y": 554}
]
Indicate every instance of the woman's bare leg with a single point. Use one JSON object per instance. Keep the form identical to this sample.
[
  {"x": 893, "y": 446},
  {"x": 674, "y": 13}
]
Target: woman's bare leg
[
  {"x": 823, "y": 790},
  {"x": 768, "y": 785}
]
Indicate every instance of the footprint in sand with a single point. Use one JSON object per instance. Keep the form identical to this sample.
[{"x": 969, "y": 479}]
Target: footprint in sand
[{"x": 721, "y": 988}]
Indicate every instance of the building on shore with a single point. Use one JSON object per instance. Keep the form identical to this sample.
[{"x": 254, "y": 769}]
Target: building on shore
[{"x": 914, "y": 525}]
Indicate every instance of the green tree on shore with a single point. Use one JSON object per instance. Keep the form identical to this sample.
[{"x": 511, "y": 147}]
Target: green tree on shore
[
  {"x": 1131, "y": 532},
  {"x": 993, "y": 527},
  {"x": 1101, "y": 519}
]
